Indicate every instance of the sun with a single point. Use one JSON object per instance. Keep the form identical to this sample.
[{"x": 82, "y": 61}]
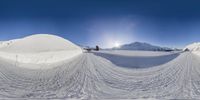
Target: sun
[{"x": 117, "y": 44}]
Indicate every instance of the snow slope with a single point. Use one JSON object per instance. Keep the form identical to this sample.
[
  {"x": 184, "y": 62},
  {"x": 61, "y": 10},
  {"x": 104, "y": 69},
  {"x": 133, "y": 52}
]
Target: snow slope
[
  {"x": 194, "y": 48},
  {"x": 39, "y": 49},
  {"x": 141, "y": 46},
  {"x": 89, "y": 76}
]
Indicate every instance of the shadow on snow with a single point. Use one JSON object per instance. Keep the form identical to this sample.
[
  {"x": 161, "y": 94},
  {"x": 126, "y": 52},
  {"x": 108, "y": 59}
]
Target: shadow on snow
[{"x": 137, "y": 61}]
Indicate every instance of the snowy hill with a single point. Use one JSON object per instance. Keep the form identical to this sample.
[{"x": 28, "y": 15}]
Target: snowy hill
[
  {"x": 39, "y": 43},
  {"x": 39, "y": 48},
  {"x": 194, "y": 48},
  {"x": 142, "y": 46}
]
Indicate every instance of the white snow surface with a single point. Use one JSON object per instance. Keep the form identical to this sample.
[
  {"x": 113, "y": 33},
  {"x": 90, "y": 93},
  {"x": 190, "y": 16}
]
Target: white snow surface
[
  {"x": 136, "y": 52},
  {"x": 39, "y": 49},
  {"x": 194, "y": 48},
  {"x": 92, "y": 76}
]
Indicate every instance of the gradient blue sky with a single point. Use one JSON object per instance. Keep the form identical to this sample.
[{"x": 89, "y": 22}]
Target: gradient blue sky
[{"x": 172, "y": 23}]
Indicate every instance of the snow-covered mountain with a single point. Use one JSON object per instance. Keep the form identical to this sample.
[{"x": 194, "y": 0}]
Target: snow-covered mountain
[{"x": 142, "y": 46}]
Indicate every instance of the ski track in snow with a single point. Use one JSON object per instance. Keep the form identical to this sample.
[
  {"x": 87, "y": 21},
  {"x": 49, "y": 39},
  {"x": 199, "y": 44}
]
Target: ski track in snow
[{"x": 92, "y": 77}]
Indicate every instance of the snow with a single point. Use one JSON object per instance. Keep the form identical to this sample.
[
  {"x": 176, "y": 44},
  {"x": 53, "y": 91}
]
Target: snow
[
  {"x": 64, "y": 72},
  {"x": 91, "y": 76},
  {"x": 136, "y": 52},
  {"x": 137, "y": 59},
  {"x": 39, "y": 49},
  {"x": 194, "y": 48},
  {"x": 141, "y": 46}
]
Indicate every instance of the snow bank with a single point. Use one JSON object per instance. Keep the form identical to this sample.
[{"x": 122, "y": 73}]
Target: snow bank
[
  {"x": 38, "y": 49},
  {"x": 194, "y": 48}
]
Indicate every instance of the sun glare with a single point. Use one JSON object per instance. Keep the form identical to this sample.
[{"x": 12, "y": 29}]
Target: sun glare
[{"x": 117, "y": 44}]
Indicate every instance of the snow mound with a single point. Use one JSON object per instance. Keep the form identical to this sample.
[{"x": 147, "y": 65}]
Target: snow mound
[
  {"x": 194, "y": 48},
  {"x": 39, "y": 48}
]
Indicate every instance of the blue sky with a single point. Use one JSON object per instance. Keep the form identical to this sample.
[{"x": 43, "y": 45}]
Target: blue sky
[{"x": 172, "y": 23}]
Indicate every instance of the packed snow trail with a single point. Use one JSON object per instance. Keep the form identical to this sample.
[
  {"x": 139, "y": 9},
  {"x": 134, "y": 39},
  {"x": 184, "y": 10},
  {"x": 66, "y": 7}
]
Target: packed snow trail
[{"x": 91, "y": 77}]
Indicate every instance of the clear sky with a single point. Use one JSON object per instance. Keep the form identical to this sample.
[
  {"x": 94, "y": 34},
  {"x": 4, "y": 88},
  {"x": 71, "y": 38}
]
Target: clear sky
[{"x": 173, "y": 23}]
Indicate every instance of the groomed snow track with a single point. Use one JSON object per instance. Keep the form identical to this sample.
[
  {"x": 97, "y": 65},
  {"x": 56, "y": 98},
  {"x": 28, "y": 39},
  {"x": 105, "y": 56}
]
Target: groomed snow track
[{"x": 92, "y": 77}]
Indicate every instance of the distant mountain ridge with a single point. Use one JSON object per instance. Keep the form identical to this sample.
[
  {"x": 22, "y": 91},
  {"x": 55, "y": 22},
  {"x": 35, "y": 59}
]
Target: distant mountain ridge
[{"x": 142, "y": 46}]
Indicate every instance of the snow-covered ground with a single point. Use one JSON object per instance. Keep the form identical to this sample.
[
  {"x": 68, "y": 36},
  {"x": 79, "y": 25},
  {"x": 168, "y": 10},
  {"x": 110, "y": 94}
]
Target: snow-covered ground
[
  {"x": 137, "y": 53},
  {"x": 111, "y": 74},
  {"x": 137, "y": 59},
  {"x": 89, "y": 76}
]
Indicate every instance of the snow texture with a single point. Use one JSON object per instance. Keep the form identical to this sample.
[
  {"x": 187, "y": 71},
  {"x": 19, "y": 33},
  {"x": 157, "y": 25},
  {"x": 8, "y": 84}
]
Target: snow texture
[
  {"x": 89, "y": 76},
  {"x": 99, "y": 75},
  {"x": 39, "y": 49},
  {"x": 194, "y": 48}
]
